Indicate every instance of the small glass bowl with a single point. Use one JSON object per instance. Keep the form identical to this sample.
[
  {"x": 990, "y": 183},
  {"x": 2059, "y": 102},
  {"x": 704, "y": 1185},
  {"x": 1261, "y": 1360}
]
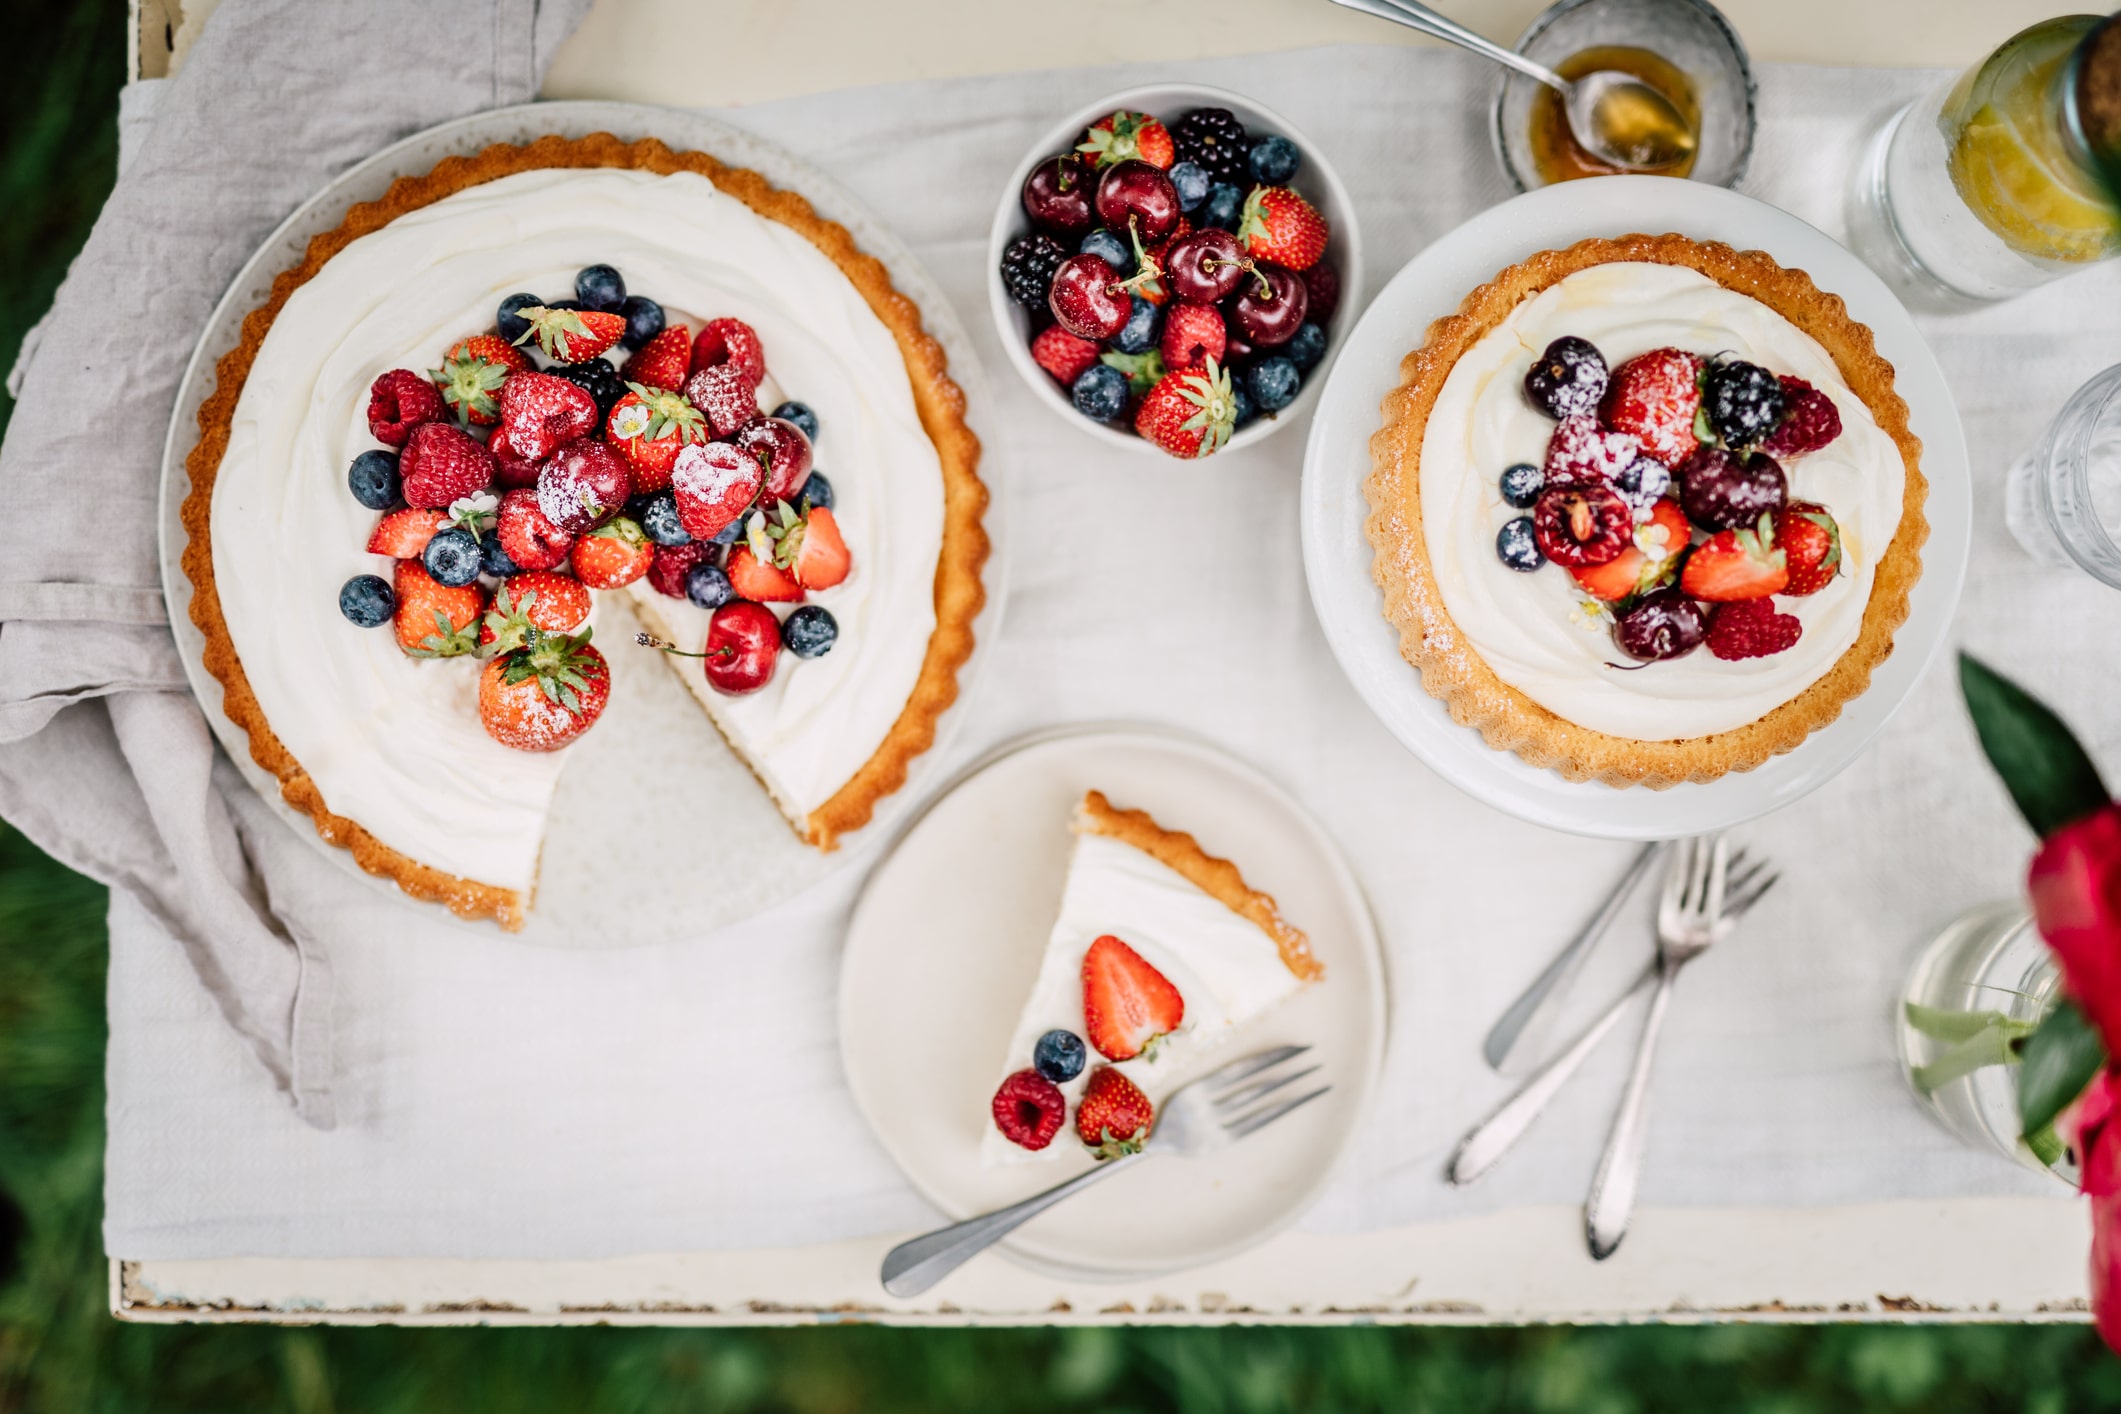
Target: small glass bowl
[{"x": 1692, "y": 35}]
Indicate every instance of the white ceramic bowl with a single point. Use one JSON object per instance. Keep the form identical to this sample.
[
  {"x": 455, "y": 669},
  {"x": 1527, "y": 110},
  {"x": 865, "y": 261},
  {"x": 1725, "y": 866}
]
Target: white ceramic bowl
[{"x": 1315, "y": 180}]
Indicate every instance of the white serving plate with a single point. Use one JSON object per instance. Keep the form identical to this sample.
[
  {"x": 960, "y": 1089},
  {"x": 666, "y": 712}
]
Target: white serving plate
[
  {"x": 1337, "y": 554},
  {"x": 607, "y": 806},
  {"x": 946, "y": 942}
]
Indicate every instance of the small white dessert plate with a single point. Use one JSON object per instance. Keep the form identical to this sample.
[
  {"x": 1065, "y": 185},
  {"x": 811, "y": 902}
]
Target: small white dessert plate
[
  {"x": 945, "y": 945},
  {"x": 1337, "y": 554}
]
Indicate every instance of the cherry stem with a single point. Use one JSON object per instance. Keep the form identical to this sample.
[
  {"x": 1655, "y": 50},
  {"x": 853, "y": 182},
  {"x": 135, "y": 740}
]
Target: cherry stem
[{"x": 649, "y": 640}]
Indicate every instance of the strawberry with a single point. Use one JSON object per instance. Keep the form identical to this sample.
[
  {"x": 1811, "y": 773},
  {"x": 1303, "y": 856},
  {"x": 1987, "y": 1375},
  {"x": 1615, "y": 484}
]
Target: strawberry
[
  {"x": 1127, "y": 1004},
  {"x": 531, "y": 540},
  {"x": 1810, "y": 537},
  {"x": 1193, "y": 334},
  {"x": 530, "y": 603},
  {"x": 544, "y": 695},
  {"x": 402, "y": 535},
  {"x": 433, "y": 620},
  {"x": 760, "y": 580},
  {"x": 1118, "y": 136},
  {"x": 1114, "y": 1117},
  {"x": 1737, "y": 564},
  {"x": 1751, "y": 628},
  {"x": 1617, "y": 579},
  {"x": 613, "y": 555},
  {"x": 471, "y": 376},
  {"x": 1646, "y": 564},
  {"x": 399, "y": 401},
  {"x": 443, "y": 463},
  {"x": 1654, "y": 397},
  {"x": 714, "y": 483},
  {"x": 1280, "y": 226},
  {"x": 726, "y": 395},
  {"x": 1189, "y": 413},
  {"x": 808, "y": 546},
  {"x": 650, "y": 426},
  {"x": 1666, "y": 532},
  {"x": 570, "y": 335},
  {"x": 540, "y": 414},
  {"x": 1061, "y": 354},
  {"x": 663, "y": 361},
  {"x": 730, "y": 343},
  {"x": 1809, "y": 421}
]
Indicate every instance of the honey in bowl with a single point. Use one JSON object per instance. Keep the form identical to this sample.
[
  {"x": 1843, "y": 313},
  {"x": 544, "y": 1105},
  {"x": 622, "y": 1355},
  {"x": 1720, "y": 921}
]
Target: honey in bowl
[{"x": 1555, "y": 151}]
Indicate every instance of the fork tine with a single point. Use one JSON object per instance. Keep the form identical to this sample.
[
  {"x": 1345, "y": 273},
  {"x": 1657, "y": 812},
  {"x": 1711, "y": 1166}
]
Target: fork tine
[
  {"x": 1676, "y": 875},
  {"x": 1260, "y": 1089},
  {"x": 1737, "y": 879},
  {"x": 1245, "y": 1067},
  {"x": 1239, "y": 1128},
  {"x": 1747, "y": 900},
  {"x": 1719, "y": 872}
]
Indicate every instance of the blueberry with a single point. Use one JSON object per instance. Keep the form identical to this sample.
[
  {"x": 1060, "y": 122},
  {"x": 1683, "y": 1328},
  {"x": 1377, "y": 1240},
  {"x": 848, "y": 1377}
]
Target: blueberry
[
  {"x": 1102, "y": 242},
  {"x": 1521, "y": 485},
  {"x": 1274, "y": 160},
  {"x": 644, "y": 320},
  {"x": 799, "y": 414},
  {"x": 599, "y": 287},
  {"x": 1642, "y": 484},
  {"x": 1192, "y": 182},
  {"x": 817, "y": 491},
  {"x": 494, "y": 560},
  {"x": 1138, "y": 334},
  {"x": 1273, "y": 383},
  {"x": 708, "y": 587},
  {"x": 366, "y": 600},
  {"x": 1225, "y": 201},
  {"x": 1100, "y": 393},
  {"x": 373, "y": 479},
  {"x": 658, "y": 516},
  {"x": 1306, "y": 347},
  {"x": 732, "y": 532},
  {"x": 566, "y": 304},
  {"x": 512, "y": 325},
  {"x": 1242, "y": 400},
  {"x": 1059, "y": 1056},
  {"x": 1515, "y": 547},
  {"x": 809, "y": 632},
  {"x": 452, "y": 557}
]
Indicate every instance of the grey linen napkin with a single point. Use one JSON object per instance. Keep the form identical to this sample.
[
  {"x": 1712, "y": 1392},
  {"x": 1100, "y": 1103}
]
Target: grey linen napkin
[{"x": 106, "y": 761}]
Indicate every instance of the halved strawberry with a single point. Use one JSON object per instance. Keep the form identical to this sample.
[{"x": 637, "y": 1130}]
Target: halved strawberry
[
  {"x": 1121, "y": 135},
  {"x": 1643, "y": 566},
  {"x": 402, "y": 535},
  {"x": 434, "y": 620},
  {"x": 808, "y": 546},
  {"x": 1127, "y": 1004},
  {"x": 571, "y": 335},
  {"x": 760, "y": 580},
  {"x": 1810, "y": 537},
  {"x": 663, "y": 361},
  {"x": 1616, "y": 579},
  {"x": 1737, "y": 564}
]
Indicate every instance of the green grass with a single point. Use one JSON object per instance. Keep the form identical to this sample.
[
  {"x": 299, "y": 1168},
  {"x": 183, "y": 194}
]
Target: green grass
[{"x": 60, "y": 1350}]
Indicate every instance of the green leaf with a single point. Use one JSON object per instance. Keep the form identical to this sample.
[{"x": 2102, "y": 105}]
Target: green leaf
[
  {"x": 1991, "y": 1045},
  {"x": 1144, "y": 370},
  {"x": 1951, "y": 1026},
  {"x": 2047, "y": 771},
  {"x": 2055, "y": 1064},
  {"x": 2046, "y": 1145}
]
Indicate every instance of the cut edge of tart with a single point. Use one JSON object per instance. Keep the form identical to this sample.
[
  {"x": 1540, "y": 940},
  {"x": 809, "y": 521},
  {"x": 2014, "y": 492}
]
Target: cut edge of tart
[
  {"x": 1449, "y": 667},
  {"x": 938, "y": 401}
]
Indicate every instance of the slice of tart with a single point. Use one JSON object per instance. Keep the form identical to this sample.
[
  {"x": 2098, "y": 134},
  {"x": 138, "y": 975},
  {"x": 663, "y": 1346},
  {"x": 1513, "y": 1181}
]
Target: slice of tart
[
  {"x": 1646, "y": 510},
  {"x": 1160, "y": 952},
  {"x": 388, "y": 740}
]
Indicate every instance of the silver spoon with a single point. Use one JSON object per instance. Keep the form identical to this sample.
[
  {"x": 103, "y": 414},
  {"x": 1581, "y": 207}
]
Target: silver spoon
[{"x": 1615, "y": 117}]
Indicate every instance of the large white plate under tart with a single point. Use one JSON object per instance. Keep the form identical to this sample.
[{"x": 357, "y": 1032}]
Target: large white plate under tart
[
  {"x": 946, "y": 942},
  {"x": 1337, "y": 554},
  {"x": 654, "y": 761}
]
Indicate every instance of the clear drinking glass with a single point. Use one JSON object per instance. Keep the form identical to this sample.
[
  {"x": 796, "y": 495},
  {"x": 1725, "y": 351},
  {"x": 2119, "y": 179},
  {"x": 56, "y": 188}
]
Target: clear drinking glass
[
  {"x": 2063, "y": 499},
  {"x": 1986, "y": 187}
]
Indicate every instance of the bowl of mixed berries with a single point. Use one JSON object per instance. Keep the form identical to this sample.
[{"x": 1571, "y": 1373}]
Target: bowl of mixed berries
[{"x": 1171, "y": 268}]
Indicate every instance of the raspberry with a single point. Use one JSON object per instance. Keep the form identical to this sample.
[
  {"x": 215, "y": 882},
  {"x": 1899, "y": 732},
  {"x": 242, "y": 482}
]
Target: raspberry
[
  {"x": 730, "y": 342},
  {"x": 1581, "y": 453},
  {"x": 674, "y": 562},
  {"x": 1809, "y": 421},
  {"x": 1193, "y": 334},
  {"x": 1582, "y": 525},
  {"x": 1750, "y": 628},
  {"x": 1028, "y": 1109},
  {"x": 399, "y": 401},
  {"x": 1324, "y": 286},
  {"x": 1063, "y": 355},
  {"x": 1654, "y": 396},
  {"x": 727, "y": 397}
]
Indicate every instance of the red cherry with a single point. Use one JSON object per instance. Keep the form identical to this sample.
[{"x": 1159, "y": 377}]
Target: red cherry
[
  {"x": 1087, "y": 299},
  {"x": 1271, "y": 309},
  {"x": 1139, "y": 193},
  {"x": 743, "y": 642},
  {"x": 581, "y": 484},
  {"x": 1207, "y": 266},
  {"x": 782, "y": 449},
  {"x": 1057, "y": 196}
]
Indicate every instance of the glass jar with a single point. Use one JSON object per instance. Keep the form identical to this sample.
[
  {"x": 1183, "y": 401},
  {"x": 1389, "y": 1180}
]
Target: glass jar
[
  {"x": 2063, "y": 498},
  {"x": 1988, "y": 187}
]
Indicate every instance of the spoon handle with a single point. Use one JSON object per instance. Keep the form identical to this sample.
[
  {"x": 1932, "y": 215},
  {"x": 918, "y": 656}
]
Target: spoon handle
[{"x": 1414, "y": 15}]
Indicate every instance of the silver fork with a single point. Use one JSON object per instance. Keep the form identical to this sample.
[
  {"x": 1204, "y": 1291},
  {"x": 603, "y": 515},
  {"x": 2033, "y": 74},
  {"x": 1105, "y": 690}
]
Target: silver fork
[
  {"x": 1685, "y": 880},
  {"x": 1210, "y": 1113}
]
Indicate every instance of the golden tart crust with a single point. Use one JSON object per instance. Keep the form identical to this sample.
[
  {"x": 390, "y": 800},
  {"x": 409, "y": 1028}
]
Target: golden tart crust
[
  {"x": 940, "y": 403},
  {"x": 1452, "y": 671}
]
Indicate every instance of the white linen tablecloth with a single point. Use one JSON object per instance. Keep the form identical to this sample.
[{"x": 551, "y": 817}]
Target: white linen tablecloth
[{"x": 498, "y": 1100}]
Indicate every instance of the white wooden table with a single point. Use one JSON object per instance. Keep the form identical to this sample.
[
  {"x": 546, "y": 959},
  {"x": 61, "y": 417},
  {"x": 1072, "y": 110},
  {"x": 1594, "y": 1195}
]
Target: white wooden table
[{"x": 2014, "y": 1259}]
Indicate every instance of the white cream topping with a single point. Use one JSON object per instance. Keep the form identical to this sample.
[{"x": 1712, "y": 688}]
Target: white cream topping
[
  {"x": 1533, "y": 629},
  {"x": 395, "y": 743},
  {"x": 1226, "y": 969}
]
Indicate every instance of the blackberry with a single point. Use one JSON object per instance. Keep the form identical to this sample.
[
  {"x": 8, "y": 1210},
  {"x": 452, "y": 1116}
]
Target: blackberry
[
  {"x": 1027, "y": 268},
  {"x": 597, "y": 378},
  {"x": 1743, "y": 400},
  {"x": 1215, "y": 139}
]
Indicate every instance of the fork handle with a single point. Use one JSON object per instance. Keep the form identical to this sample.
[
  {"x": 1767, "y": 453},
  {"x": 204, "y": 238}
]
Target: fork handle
[
  {"x": 919, "y": 1263},
  {"x": 1489, "y": 1140},
  {"x": 1612, "y": 1201}
]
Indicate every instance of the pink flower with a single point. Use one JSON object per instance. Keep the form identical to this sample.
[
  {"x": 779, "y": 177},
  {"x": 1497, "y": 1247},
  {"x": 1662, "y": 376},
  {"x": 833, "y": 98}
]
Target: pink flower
[
  {"x": 2076, "y": 893},
  {"x": 2089, "y": 1128}
]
